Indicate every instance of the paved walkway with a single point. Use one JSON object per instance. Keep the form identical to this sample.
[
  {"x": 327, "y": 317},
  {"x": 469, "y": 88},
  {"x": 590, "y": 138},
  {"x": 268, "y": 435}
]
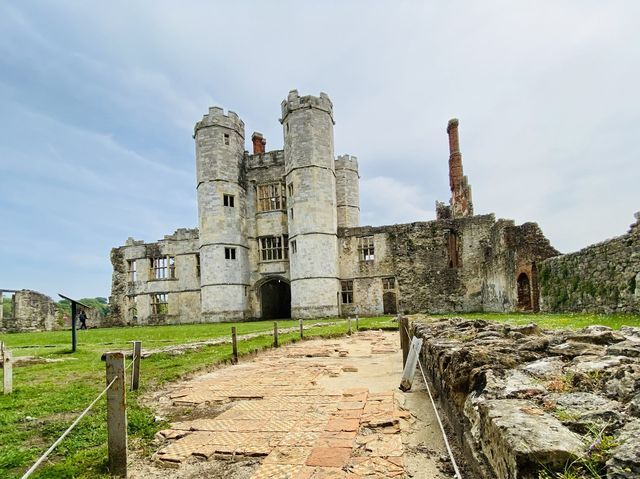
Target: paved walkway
[{"x": 318, "y": 409}]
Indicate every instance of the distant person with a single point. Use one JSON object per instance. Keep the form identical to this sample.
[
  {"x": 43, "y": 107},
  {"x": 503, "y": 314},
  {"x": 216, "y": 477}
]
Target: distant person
[{"x": 83, "y": 320}]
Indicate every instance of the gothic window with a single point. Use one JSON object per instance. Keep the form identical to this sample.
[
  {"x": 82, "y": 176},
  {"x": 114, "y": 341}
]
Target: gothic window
[
  {"x": 230, "y": 253},
  {"x": 159, "y": 303},
  {"x": 290, "y": 189},
  {"x": 365, "y": 248},
  {"x": 133, "y": 274},
  {"x": 452, "y": 249},
  {"x": 163, "y": 267},
  {"x": 228, "y": 200},
  {"x": 271, "y": 197},
  {"x": 274, "y": 248},
  {"x": 347, "y": 291}
]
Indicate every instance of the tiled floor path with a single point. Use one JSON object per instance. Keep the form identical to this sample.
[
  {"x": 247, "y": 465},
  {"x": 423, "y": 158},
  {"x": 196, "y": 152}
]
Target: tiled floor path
[{"x": 303, "y": 409}]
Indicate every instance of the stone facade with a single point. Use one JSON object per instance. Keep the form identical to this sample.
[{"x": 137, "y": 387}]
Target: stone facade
[
  {"x": 603, "y": 278},
  {"x": 31, "y": 311},
  {"x": 279, "y": 236}
]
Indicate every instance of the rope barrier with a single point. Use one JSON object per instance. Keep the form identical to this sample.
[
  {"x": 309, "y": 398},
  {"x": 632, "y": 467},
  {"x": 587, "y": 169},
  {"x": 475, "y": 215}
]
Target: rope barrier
[
  {"x": 433, "y": 404},
  {"x": 69, "y": 429},
  {"x": 131, "y": 362}
]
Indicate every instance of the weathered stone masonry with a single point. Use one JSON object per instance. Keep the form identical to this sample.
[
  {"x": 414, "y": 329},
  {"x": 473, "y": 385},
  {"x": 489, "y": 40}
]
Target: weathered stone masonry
[
  {"x": 603, "y": 278},
  {"x": 279, "y": 236}
]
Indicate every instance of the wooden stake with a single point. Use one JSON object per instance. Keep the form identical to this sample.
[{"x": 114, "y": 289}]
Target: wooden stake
[
  {"x": 405, "y": 341},
  {"x": 234, "y": 345},
  {"x": 301, "y": 330},
  {"x": 116, "y": 415},
  {"x": 7, "y": 365},
  {"x": 135, "y": 368},
  {"x": 275, "y": 334},
  {"x": 349, "y": 332}
]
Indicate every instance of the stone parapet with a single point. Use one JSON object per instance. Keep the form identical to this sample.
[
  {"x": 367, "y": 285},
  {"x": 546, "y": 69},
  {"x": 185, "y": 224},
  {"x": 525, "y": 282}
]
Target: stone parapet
[{"x": 216, "y": 117}]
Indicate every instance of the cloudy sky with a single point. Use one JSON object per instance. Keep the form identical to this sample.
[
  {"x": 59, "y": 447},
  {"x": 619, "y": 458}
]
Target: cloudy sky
[{"x": 98, "y": 102}]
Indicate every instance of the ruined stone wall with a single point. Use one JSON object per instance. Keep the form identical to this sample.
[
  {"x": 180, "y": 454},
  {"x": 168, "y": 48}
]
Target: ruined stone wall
[
  {"x": 521, "y": 400},
  {"x": 602, "y": 278},
  {"x": 131, "y": 300},
  {"x": 32, "y": 311}
]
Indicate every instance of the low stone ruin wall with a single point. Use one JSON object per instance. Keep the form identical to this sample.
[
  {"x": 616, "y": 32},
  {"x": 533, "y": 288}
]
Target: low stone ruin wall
[
  {"x": 32, "y": 311},
  {"x": 524, "y": 402},
  {"x": 603, "y": 278}
]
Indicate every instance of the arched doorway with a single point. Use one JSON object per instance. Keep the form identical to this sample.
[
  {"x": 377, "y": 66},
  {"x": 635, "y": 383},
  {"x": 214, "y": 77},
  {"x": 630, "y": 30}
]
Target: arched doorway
[
  {"x": 275, "y": 298},
  {"x": 524, "y": 292}
]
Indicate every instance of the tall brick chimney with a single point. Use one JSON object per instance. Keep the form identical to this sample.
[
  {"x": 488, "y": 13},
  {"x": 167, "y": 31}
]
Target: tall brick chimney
[
  {"x": 461, "y": 204},
  {"x": 259, "y": 143}
]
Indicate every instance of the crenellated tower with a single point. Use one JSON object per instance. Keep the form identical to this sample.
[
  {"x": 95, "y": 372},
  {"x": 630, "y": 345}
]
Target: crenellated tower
[
  {"x": 310, "y": 179},
  {"x": 348, "y": 191},
  {"x": 224, "y": 262},
  {"x": 461, "y": 203}
]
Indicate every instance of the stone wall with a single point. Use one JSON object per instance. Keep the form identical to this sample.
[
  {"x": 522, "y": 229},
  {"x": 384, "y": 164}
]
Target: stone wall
[
  {"x": 603, "y": 278},
  {"x": 32, "y": 311},
  {"x": 521, "y": 400}
]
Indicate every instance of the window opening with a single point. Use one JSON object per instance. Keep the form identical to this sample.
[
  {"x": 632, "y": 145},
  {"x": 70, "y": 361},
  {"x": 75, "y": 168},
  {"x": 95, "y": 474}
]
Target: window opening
[
  {"x": 226, "y": 138},
  {"x": 452, "y": 249},
  {"x": 290, "y": 187},
  {"x": 159, "y": 303},
  {"x": 294, "y": 247},
  {"x": 347, "y": 291},
  {"x": 228, "y": 200},
  {"x": 133, "y": 274},
  {"x": 388, "y": 283},
  {"x": 163, "y": 267},
  {"x": 365, "y": 246},
  {"x": 274, "y": 248},
  {"x": 197, "y": 265},
  {"x": 230, "y": 253},
  {"x": 271, "y": 197}
]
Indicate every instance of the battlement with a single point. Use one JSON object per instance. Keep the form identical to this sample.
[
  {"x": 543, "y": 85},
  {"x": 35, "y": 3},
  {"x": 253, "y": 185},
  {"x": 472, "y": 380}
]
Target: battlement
[
  {"x": 217, "y": 117},
  {"x": 347, "y": 162},
  {"x": 182, "y": 234},
  {"x": 265, "y": 160},
  {"x": 296, "y": 102}
]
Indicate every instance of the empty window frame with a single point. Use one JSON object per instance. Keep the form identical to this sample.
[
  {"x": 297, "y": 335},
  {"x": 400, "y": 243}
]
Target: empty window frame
[
  {"x": 159, "y": 303},
  {"x": 452, "y": 249},
  {"x": 294, "y": 247},
  {"x": 226, "y": 138},
  {"x": 365, "y": 248},
  {"x": 290, "y": 187},
  {"x": 347, "y": 291},
  {"x": 271, "y": 197},
  {"x": 229, "y": 253},
  {"x": 388, "y": 283},
  {"x": 163, "y": 267},
  {"x": 274, "y": 248},
  {"x": 197, "y": 265},
  {"x": 228, "y": 200},
  {"x": 133, "y": 273}
]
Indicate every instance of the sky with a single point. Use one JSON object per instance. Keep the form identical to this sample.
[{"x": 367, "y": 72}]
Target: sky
[{"x": 98, "y": 101}]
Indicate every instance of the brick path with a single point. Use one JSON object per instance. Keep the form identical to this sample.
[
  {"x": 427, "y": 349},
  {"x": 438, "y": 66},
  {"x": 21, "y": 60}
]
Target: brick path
[{"x": 279, "y": 411}]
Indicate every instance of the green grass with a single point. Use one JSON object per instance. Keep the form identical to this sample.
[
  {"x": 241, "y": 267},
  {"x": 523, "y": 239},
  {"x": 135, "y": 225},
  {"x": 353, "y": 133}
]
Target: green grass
[
  {"x": 48, "y": 397},
  {"x": 554, "y": 321}
]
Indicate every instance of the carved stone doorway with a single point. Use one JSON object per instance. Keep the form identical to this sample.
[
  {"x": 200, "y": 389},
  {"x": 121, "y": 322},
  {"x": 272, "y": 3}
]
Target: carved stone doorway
[
  {"x": 524, "y": 293},
  {"x": 275, "y": 298}
]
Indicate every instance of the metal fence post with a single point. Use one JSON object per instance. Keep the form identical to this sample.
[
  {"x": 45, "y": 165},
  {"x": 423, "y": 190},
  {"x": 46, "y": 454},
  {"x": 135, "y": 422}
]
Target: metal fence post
[
  {"x": 234, "y": 345},
  {"x": 301, "y": 330},
  {"x": 7, "y": 365},
  {"x": 275, "y": 334},
  {"x": 116, "y": 415},
  {"x": 357, "y": 321},
  {"x": 349, "y": 332},
  {"x": 135, "y": 368}
]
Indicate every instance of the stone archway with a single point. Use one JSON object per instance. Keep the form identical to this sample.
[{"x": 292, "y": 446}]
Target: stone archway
[
  {"x": 275, "y": 299},
  {"x": 524, "y": 292}
]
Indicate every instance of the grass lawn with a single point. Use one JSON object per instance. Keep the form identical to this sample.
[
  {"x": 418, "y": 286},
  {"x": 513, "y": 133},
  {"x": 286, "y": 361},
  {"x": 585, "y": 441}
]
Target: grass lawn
[
  {"x": 554, "y": 321},
  {"x": 48, "y": 397}
]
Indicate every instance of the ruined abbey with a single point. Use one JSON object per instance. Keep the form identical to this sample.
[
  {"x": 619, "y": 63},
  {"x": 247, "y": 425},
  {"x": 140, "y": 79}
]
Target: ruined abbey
[{"x": 279, "y": 236}]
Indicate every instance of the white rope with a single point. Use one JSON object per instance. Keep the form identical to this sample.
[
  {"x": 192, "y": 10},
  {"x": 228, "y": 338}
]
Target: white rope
[
  {"x": 131, "y": 362},
  {"x": 433, "y": 404},
  {"x": 64, "y": 434}
]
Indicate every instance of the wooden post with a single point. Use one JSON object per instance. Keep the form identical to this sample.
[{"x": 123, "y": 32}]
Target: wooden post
[
  {"x": 357, "y": 321},
  {"x": 116, "y": 415},
  {"x": 7, "y": 365},
  {"x": 234, "y": 345},
  {"x": 135, "y": 368},
  {"x": 405, "y": 341},
  {"x": 74, "y": 340},
  {"x": 275, "y": 334},
  {"x": 301, "y": 330},
  {"x": 349, "y": 332}
]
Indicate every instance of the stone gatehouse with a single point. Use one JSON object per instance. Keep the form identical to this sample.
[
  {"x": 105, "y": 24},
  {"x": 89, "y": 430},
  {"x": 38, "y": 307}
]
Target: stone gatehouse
[{"x": 279, "y": 236}]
